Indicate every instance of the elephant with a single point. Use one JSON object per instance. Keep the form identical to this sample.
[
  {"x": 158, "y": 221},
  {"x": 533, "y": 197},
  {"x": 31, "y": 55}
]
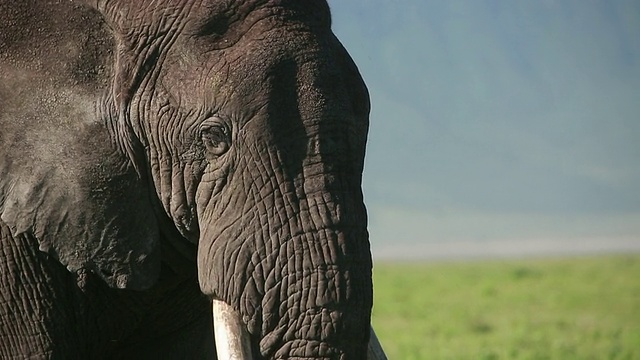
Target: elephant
[{"x": 181, "y": 179}]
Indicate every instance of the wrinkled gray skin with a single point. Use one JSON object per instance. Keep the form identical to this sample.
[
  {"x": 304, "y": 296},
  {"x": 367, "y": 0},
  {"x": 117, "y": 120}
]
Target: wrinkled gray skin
[{"x": 154, "y": 155}]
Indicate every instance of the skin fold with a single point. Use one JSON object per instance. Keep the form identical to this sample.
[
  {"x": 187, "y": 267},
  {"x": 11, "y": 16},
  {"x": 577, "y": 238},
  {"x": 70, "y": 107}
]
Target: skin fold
[{"x": 157, "y": 154}]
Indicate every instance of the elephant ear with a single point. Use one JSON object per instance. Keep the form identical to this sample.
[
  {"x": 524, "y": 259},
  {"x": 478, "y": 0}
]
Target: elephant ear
[{"x": 67, "y": 162}]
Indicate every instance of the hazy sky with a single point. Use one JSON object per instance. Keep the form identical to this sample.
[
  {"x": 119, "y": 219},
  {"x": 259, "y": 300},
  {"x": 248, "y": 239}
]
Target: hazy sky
[{"x": 498, "y": 119}]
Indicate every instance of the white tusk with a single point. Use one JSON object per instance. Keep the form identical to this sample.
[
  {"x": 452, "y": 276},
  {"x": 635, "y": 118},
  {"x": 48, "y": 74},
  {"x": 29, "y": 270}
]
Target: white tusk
[
  {"x": 375, "y": 349},
  {"x": 232, "y": 338}
]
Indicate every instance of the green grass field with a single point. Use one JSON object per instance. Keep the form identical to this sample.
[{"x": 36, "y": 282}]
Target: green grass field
[{"x": 581, "y": 308}]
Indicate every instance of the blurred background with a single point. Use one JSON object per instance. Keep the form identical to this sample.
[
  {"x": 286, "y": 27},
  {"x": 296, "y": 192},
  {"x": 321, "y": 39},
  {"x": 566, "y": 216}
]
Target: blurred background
[
  {"x": 499, "y": 128},
  {"x": 502, "y": 175}
]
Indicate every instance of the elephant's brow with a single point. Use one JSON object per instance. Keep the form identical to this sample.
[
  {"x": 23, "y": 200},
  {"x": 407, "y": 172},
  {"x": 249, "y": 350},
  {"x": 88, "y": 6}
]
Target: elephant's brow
[{"x": 230, "y": 11}]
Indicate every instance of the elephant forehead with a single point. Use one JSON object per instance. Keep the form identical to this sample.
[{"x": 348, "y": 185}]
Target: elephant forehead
[
  {"x": 273, "y": 63},
  {"x": 205, "y": 16},
  {"x": 233, "y": 10}
]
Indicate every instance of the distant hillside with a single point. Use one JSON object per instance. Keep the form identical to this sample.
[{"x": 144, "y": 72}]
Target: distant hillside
[{"x": 491, "y": 117}]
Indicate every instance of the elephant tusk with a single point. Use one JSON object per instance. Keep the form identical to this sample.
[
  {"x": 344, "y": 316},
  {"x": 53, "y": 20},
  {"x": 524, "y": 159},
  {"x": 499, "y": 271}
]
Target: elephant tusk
[
  {"x": 232, "y": 339},
  {"x": 231, "y": 336},
  {"x": 375, "y": 351}
]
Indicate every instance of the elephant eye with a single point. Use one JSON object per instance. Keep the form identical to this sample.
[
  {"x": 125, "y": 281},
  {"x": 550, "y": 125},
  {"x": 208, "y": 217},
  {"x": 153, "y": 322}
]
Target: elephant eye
[
  {"x": 216, "y": 27},
  {"x": 216, "y": 138}
]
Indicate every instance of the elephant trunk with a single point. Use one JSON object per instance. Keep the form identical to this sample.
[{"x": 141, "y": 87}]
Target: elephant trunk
[
  {"x": 293, "y": 261},
  {"x": 301, "y": 296}
]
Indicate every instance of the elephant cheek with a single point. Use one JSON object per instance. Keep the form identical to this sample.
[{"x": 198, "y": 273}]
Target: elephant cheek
[{"x": 219, "y": 257}]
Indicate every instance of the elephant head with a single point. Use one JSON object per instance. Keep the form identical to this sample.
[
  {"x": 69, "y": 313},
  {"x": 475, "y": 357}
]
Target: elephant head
[{"x": 134, "y": 133}]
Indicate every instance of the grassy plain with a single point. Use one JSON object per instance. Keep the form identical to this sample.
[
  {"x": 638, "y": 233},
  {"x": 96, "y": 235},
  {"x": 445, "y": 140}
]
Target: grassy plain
[{"x": 577, "y": 308}]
